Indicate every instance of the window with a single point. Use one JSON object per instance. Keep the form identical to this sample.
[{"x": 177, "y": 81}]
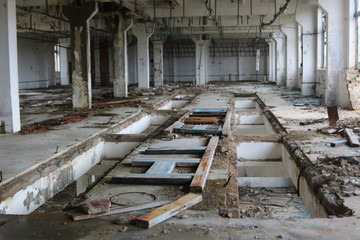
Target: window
[{"x": 57, "y": 57}]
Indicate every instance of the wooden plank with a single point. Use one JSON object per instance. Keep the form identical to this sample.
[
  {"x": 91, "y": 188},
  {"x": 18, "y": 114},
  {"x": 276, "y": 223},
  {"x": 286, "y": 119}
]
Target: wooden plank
[
  {"x": 203, "y": 120},
  {"x": 227, "y": 121},
  {"x": 170, "y": 129},
  {"x": 165, "y": 212},
  {"x": 125, "y": 137},
  {"x": 120, "y": 210},
  {"x": 180, "y": 162},
  {"x": 178, "y": 123},
  {"x": 159, "y": 168},
  {"x": 199, "y": 180},
  {"x": 165, "y": 179},
  {"x": 175, "y": 150},
  {"x": 353, "y": 139}
]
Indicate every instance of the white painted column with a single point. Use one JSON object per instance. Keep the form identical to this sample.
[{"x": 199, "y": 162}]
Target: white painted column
[
  {"x": 202, "y": 54},
  {"x": 279, "y": 37},
  {"x": 64, "y": 64},
  {"x": 272, "y": 60},
  {"x": 306, "y": 17},
  {"x": 9, "y": 82},
  {"x": 121, "y": 78},
  {"x": 158, "y": 62},
  {"x": 340, "y": 44},
  {"x": 289, "y": 28},
  {"x": 142, "y": 33}
]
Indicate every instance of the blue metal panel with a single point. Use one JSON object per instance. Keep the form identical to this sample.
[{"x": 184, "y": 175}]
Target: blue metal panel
[
  {"x": 161, "y": 168},
  {"x": 211, "y": 110}
]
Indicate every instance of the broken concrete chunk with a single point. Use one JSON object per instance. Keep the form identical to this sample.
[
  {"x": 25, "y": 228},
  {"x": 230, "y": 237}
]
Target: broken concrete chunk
[{"x": 96, "y": 206}]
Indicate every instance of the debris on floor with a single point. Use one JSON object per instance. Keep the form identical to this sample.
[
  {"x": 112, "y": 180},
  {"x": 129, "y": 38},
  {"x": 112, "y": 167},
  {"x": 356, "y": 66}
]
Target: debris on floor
[
  {"x": 161, "y": 214},
  {"x": 271, "y": 203},
  {"x": 48, "y": 124}
]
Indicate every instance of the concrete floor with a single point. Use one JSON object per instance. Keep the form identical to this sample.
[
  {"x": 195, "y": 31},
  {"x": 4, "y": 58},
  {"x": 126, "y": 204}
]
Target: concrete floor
[{"x": 20, "y": 152}]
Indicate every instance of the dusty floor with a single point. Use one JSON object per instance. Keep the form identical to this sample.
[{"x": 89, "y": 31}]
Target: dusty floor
[{"x": 263, "y": 215}]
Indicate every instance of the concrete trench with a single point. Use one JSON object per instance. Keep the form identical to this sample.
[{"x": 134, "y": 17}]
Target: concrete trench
[
  {"x": 261, "y": 164},
  {"x": 83, "y": 163}
]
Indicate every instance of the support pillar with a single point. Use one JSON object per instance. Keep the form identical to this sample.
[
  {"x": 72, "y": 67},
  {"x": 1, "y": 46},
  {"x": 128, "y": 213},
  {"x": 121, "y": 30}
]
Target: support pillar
[
  {"x": 121, "y": 56},
  {"x": 64, "y": 64},
  {"x": 289, "y": 28},
  {"x": 280, "y": 40},
  {"x": 143, "y": 32},
  {"x": 272, "y": 61},
  {"x": 79, "y": 15},
  {"x": 202, "y": 55},
  {"x": 158, "y": 62},
  {"x": 9, "y": 90},
  {"x": 341, "y": 48},
  {"x": 306, "y": 17}
]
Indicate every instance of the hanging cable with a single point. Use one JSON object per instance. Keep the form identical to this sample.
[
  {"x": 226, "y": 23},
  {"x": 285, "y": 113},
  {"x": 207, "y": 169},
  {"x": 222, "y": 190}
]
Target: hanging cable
[{"x": 281, "y": 11}]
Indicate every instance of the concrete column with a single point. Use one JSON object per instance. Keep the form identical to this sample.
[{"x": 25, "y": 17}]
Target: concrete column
[
  {"x": 9, "y": 82},
  {"x": 64, "y": 64},
  {"x": 280, "y": 40},
  {"x": 289, "y": 28},
  {"x": 202, "y": 55},
  {"x": 158, "y": 62},
  {"x": 142, "y": 32},
  {"x": 79, "y": 15},
  {"x": 271, "y": 61},
  {"x": 306, "y": 17},
  {"x": 121, "y": 78},
  {"x": 341, "y": 48}
]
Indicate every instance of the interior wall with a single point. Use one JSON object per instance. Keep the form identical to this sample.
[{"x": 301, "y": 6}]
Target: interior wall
[
  {"x": 229, "y": 60},
  {"x": 237, "y": 68},
  {"x": 36, "y": 64},
  {"x": 179, "y": 69}
]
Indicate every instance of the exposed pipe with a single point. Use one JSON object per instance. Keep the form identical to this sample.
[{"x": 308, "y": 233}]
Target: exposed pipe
[{"x": 238, "y": 12}]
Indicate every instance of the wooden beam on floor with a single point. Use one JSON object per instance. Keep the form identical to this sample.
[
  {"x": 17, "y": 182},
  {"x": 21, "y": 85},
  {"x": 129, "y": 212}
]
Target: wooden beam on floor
[
  {"x": 118, "y": 210},
  {"x": 353, "y": 139},
  {"x": 178, "y": 123},
  {"x": 227, "y": 122},
  {"x": 199, "y": 180},
  {"x": 167, "y": 211}
]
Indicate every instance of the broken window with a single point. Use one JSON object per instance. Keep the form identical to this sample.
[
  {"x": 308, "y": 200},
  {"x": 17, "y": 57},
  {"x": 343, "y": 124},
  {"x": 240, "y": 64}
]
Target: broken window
[{"x": 57, "y": 57}]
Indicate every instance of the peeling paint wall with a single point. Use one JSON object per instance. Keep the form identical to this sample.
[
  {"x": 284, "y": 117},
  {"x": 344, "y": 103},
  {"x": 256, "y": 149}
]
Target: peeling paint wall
[{"x": 34, "y": 195}]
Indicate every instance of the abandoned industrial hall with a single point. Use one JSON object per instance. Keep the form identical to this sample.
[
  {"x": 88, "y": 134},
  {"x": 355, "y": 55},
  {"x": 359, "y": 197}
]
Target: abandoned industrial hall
[{"x": 179, "y": 119}]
